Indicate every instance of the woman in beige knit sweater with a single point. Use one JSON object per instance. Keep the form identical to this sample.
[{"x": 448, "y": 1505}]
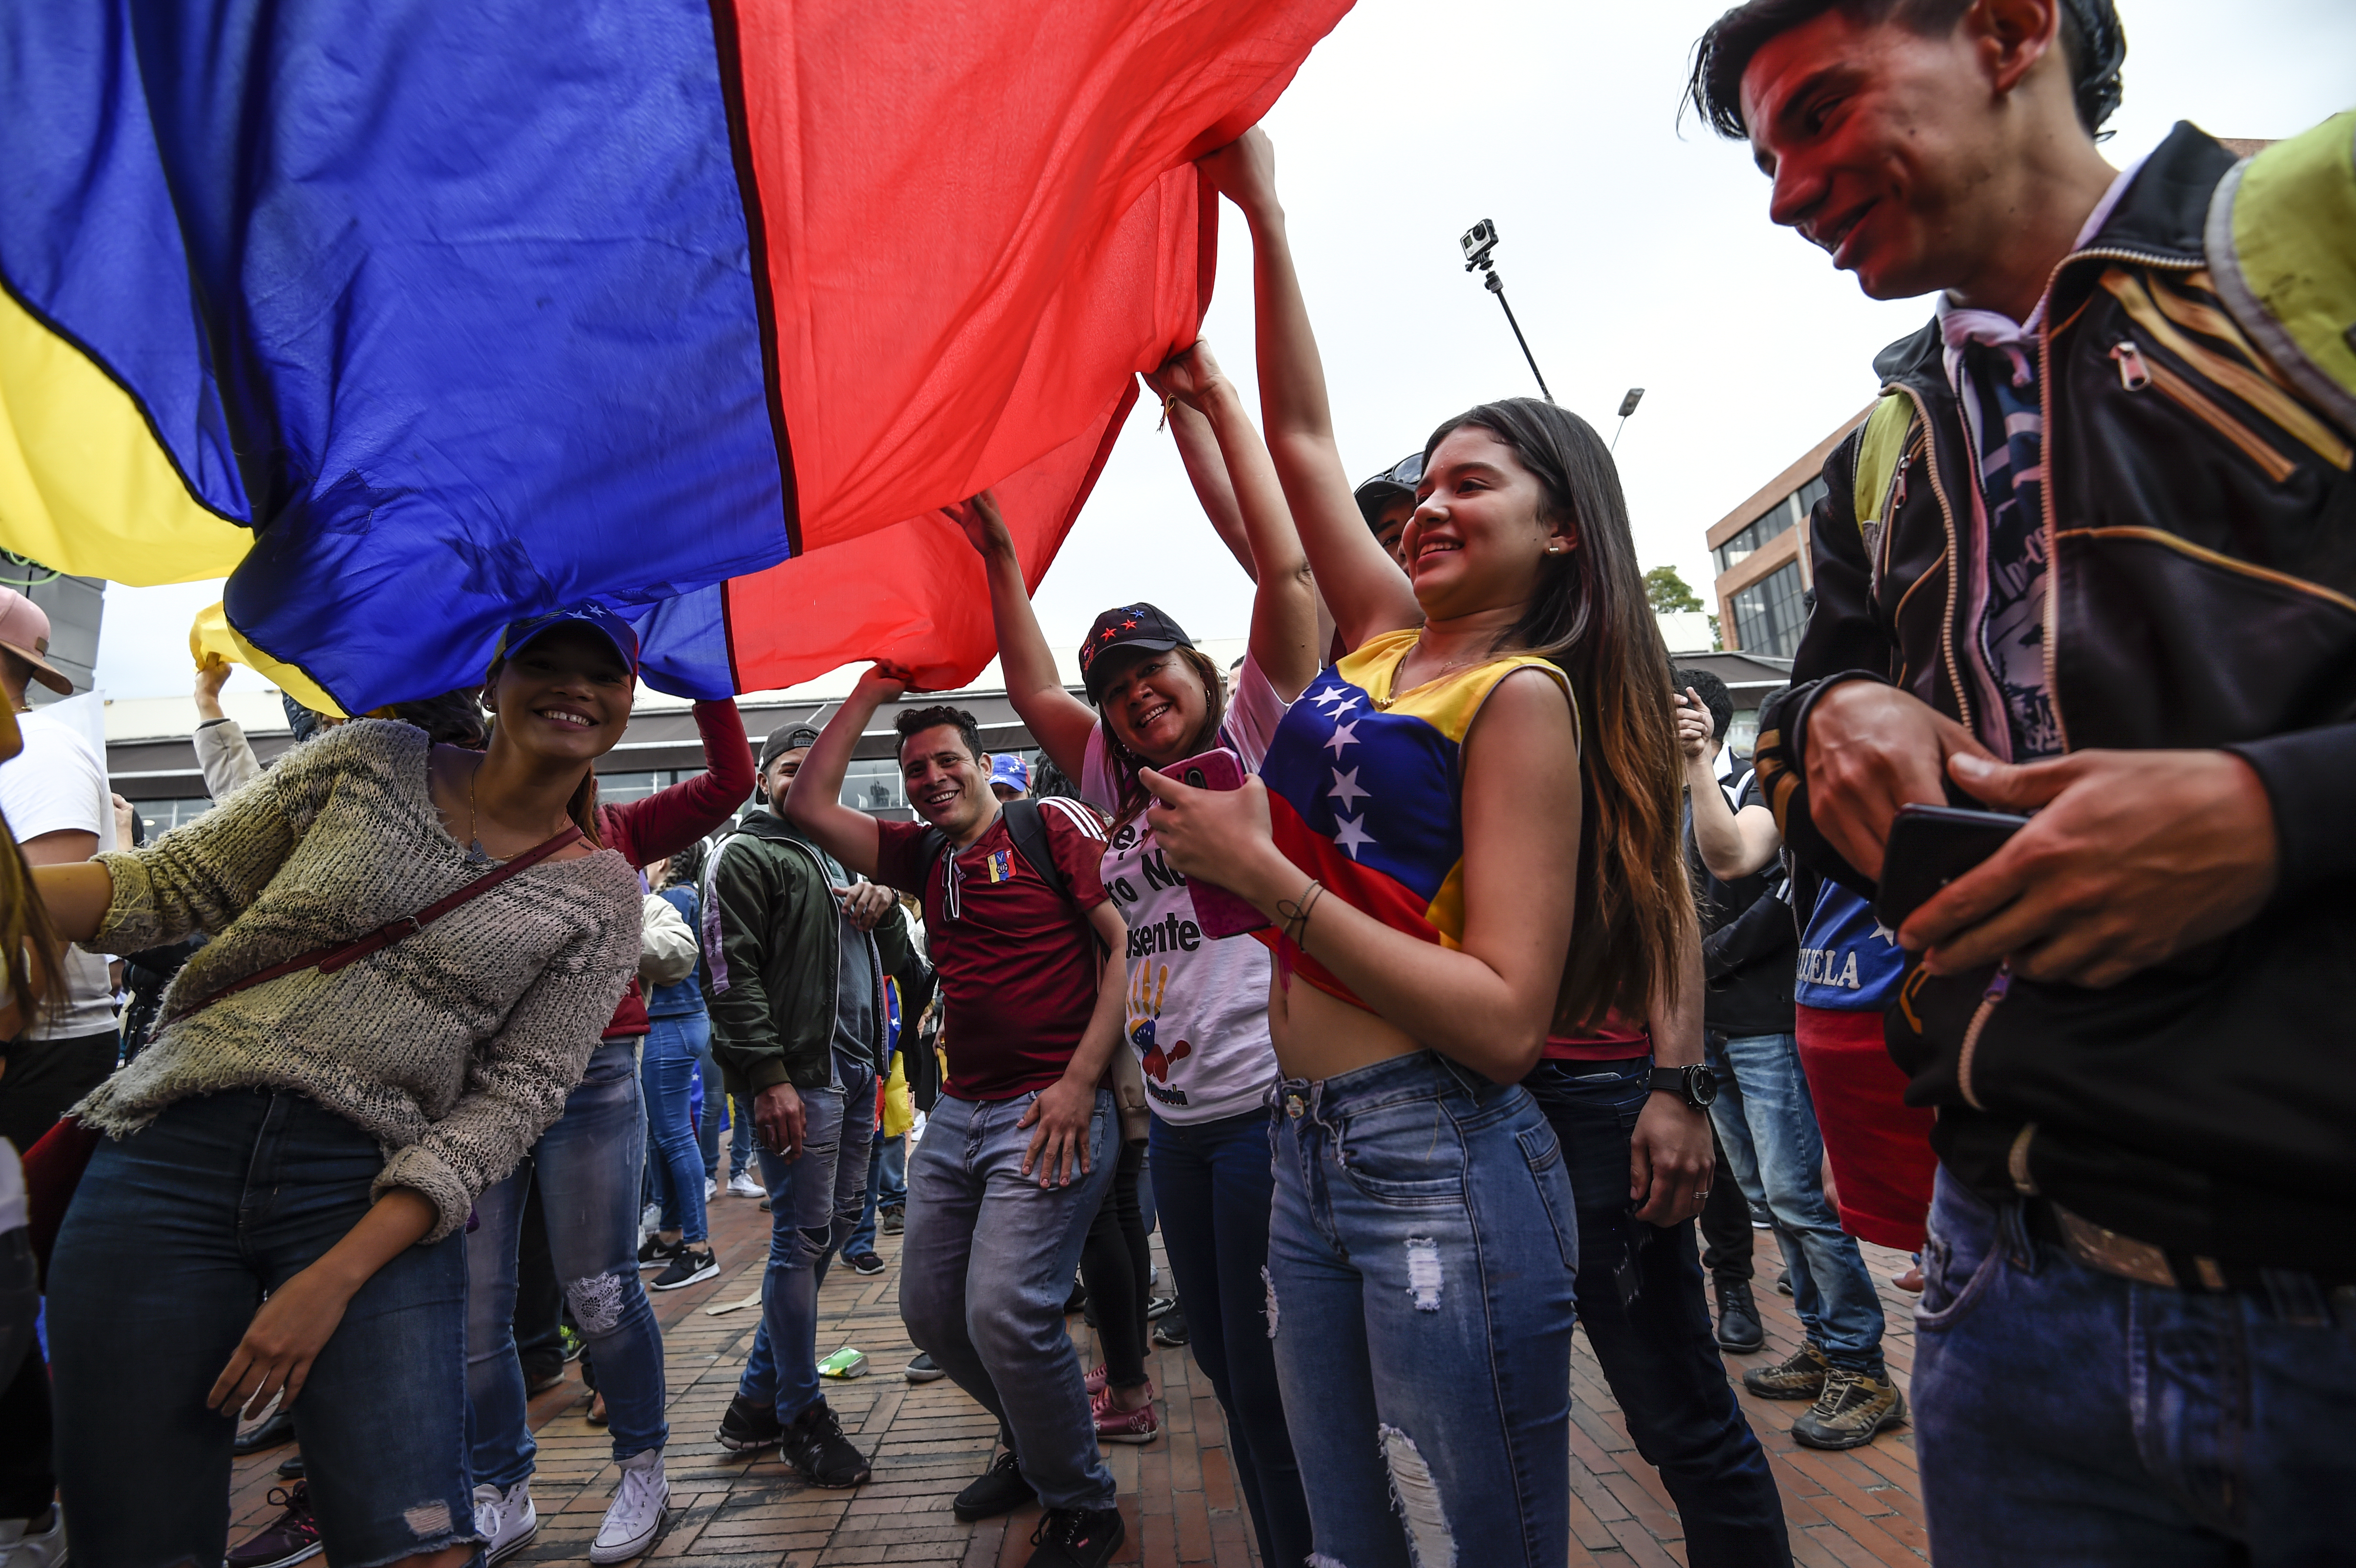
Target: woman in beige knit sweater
[{"x": 319, "y": 1138}]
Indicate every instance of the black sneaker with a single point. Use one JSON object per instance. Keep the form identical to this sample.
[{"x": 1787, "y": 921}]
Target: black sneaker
[
  {"x": 1157, "y": 1308},
  {"x": 292, "y": 1537},
  {"x": 1077, "y": 1537},
  {"x": 654, "y": 1251},
  {"x": 1170, "y": 1329},
  {"x": 748, "y": 1427},
  {"x": 1739, "y": 1328},
  {"x": 270, "y": 1433},
  {"x": 997, "y": 1490},
  {"x": 689, "y": 1265},
  {"x": 925, "y": 1370},
  {"x": 290, "y": 1468},
  {"x": 1078, "y": 1300},
  {"x": 815, "y": 1445},
  {"x": 865, "y": 1262}
]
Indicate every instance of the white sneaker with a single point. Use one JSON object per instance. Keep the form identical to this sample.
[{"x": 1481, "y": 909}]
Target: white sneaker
[
  {"x": 742, "y": 1185},
  {"x": 649, "y": 1221},
  {"x": 636, "y": 1517},
  {"x": 505, "y": 1520},
  {"x": 710, "y": 1187},
  {"x": 20, "y": 1550}
]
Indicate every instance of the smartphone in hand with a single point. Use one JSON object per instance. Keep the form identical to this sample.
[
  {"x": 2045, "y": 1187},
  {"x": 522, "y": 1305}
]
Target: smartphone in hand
[
  {"x": 1931, "y": 846},
  {"x": 1219, "y": 913}
]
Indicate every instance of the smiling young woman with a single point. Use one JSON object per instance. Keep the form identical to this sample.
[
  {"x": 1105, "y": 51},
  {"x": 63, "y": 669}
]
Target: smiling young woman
[
  {"x": 293, "y": 1159},
  {"x": 1465, "y": 837}
]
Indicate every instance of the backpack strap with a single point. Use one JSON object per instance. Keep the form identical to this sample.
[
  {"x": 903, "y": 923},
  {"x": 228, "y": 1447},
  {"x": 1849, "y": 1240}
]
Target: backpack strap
[{"x": 2281, "y": 244}]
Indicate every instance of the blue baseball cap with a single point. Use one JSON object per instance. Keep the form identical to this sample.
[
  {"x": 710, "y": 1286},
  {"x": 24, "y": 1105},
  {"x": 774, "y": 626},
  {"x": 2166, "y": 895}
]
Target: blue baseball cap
[
  {"x": 1006, "y": 768},
  {"x": 595, "y": 615}
]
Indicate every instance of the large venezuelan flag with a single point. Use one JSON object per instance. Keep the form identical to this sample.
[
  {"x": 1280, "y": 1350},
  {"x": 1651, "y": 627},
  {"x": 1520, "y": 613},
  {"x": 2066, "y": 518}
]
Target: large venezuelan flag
[{"x": 414, "y": 316}]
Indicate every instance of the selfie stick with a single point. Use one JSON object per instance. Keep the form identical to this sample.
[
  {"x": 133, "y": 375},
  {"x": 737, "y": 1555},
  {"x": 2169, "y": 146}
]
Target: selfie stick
[{"x": 1497, "y": 285}]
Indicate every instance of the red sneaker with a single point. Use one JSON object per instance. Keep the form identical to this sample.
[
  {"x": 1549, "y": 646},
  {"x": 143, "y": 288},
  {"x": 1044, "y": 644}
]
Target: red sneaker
[{"x": 1114, "y": 1425}]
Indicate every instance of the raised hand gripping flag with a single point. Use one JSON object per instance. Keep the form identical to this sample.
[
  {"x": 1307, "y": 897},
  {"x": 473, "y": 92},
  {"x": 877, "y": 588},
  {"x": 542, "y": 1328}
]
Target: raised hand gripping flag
[{"x": 414, "y": 317}]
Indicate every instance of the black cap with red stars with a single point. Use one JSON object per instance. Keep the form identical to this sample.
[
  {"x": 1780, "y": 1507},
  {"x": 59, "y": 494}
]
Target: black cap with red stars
[{"x": 1140, "y": 626}]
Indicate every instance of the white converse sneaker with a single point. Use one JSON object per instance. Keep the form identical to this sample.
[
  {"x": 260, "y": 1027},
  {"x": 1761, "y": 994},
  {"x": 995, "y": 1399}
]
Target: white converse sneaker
[
  {"x": 505, "y": 1520},
  {"x": 636, "y": 1517},
  {"x": 742, "y": 1185},
  {"x": 22, "y": 1546}
]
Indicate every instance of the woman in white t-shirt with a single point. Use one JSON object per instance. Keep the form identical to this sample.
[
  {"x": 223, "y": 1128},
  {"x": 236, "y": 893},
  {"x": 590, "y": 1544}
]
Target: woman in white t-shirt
[{"x": 1197, "y": 1007}]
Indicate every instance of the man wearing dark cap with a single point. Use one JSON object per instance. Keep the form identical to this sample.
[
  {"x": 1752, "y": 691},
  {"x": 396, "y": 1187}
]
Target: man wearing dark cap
[
  {"x": 1387, "y": 501},
  {"x": 796, "y": 951}
]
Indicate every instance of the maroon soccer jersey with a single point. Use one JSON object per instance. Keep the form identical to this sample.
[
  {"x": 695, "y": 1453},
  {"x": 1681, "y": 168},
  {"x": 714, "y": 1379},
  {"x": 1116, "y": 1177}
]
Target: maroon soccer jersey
[{"x": 1018, "y": 968}]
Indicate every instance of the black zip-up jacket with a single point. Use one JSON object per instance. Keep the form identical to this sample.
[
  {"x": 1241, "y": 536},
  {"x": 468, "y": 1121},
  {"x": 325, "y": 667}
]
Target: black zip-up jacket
[
  {"x": 2201, "y": 526},
  {"x": 772, "y": 945}
]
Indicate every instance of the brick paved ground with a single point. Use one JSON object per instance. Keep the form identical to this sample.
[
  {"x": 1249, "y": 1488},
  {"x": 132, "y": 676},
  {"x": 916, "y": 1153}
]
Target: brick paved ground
[{"x": 1178, "y": 1494}]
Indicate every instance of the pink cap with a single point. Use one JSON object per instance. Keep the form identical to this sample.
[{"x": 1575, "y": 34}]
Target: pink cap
[{"x": 25, "y": 631}]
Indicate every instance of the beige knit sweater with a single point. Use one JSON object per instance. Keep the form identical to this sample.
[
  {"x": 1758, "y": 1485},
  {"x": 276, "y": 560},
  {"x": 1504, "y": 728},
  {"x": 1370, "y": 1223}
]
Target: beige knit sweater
[{"x": 454, "y": 1048}]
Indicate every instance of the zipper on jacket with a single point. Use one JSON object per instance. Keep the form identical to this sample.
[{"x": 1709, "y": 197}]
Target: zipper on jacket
[
  {"x": 1954, "y": 561},
  {"x": 1998, "y": 984},
  {"x": 2134, "y": 374}
]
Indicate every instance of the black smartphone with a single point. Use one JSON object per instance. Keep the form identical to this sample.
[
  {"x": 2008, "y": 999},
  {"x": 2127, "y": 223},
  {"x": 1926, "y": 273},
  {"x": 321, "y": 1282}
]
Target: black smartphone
[{"x": 1931, "y": 846}]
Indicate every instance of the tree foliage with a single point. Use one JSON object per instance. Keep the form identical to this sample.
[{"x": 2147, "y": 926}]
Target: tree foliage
[{"x": 1667, "y": 592}]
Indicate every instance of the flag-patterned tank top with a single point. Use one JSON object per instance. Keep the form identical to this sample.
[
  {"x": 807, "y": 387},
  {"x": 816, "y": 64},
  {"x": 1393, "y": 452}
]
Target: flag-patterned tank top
[{"x": 1365, "y": 789}]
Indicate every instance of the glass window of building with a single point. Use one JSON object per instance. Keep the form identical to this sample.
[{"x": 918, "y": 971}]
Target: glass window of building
[
  {"x": 1768, "y": 525},
  {"x": 872, "y": 784},
  {"x": 1770, "y": 615}
]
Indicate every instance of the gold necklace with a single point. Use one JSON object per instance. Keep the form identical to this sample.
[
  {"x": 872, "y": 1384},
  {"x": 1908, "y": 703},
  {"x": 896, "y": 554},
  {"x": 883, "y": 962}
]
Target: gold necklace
[{"x": 476, "y": 854}]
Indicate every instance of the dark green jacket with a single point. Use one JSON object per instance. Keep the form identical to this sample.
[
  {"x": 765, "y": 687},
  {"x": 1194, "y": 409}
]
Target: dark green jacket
[{"x": 772, "y": 940}]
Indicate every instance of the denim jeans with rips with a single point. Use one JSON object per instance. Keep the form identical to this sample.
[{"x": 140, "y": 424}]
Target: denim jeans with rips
[
  {"x": 814, "y": 1202},
  {"x": 1763, "y": 1102},
  {"x": 1421, "y": 1255},
  {"x": 2063, "y": 1414},
  {"x": 587, "y": 1162},
  {"x": 175, "y": 1235},
  {"x": 1640, "y": 1295},
  {"x": 986, "y": 1267}
]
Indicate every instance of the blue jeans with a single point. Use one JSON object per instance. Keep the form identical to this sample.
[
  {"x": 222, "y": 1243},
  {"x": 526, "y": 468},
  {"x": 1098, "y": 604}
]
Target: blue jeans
[
  {"x": 666, "y": 1064},
  {"x": 588, "y": 1164},
  {"x": 985, "y": 1266},
  {"x": 175, "y": 1235},
  {"x": 1212, "y": 1185},
  {"x": 813, "y": 1204},
  {"x": 1640, "y": 1295},
  {"x": 1421, "y": 1257},
  {"x": 1764, "y": 1103},
  {"x": 2068, "y": 1415}
]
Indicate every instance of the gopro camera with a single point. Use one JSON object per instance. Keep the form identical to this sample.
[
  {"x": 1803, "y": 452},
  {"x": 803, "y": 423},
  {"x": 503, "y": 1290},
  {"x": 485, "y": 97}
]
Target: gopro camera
[{"x": 1478, "y": 241}]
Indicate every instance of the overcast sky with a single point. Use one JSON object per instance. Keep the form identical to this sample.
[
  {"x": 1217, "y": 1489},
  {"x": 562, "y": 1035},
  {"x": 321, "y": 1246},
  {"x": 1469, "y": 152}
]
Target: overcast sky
[{"x": 1635, "y": 253}]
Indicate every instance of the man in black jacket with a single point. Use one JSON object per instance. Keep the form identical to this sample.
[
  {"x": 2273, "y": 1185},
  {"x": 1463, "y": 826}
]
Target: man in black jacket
[
  {"x": 797, "y": 949},
  {"x": 2093, "y": 556}
]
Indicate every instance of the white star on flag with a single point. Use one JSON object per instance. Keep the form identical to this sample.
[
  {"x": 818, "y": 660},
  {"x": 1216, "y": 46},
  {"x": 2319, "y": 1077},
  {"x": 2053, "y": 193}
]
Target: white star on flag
[
  {"x": 1349, "y": 833},
  {"x": 1344, "y": 735},
  {"x": 1329, "y": 697},
  {"x": 1346, "y": 787},
  {"x": 1884, "y": 932}
]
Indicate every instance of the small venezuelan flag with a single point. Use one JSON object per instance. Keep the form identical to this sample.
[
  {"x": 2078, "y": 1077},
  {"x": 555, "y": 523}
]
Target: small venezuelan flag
[{"x": 1002, "y": 866}]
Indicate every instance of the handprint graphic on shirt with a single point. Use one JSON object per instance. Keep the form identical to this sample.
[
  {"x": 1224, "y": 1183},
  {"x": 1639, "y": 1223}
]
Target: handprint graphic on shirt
[{"x": 1145, "y": 999}]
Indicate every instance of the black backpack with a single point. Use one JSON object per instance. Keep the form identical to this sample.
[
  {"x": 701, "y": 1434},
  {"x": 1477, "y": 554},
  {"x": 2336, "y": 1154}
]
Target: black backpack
[{"x": 1026, "y": 825}]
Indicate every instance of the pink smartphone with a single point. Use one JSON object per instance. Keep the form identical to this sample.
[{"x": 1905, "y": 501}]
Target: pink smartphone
[{"x": 1219, "y": 913}]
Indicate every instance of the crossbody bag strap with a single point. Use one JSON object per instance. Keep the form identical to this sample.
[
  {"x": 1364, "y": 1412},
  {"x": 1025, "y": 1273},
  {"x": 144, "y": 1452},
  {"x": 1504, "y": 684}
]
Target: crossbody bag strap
[{"x": 343, "y": 954}]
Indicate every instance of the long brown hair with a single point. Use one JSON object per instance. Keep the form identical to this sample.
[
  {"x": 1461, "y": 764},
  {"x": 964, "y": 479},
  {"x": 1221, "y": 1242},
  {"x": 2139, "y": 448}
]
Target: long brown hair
[
  {"x": 582, "y": 806},
  {"x": 1590, "y": 618},
  {"x": 24, "y": 925},
  {"x": 1133, "y": 797}
]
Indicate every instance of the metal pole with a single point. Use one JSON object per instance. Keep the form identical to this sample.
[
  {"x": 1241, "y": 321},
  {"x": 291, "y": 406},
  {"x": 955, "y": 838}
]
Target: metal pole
[{"x": 1497, "y": 285}]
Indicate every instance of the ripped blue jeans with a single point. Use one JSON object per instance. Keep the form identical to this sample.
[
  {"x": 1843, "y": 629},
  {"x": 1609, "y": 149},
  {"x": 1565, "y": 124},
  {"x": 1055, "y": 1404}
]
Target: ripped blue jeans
[
  {"x": 1421, "y": 1253},
  {"x": 588, "y": 1161}
]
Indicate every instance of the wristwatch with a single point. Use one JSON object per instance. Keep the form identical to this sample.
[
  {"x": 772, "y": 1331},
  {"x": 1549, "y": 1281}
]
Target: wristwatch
[{"x": 1695, "y": 1085}]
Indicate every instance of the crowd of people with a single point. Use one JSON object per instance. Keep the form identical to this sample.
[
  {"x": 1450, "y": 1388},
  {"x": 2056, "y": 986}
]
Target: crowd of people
[{"x": 1436, "y": 979}]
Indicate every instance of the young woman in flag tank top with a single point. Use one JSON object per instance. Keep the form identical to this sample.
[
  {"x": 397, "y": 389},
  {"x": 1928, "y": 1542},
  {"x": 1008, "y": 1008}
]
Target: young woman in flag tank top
[
  {"x": 1465, "y": 835},
  {"x": 1197, "y": 1007}
]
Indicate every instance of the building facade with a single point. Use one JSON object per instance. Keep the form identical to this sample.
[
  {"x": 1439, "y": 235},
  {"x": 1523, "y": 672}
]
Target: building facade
[{"x": 1760, "y": 552}]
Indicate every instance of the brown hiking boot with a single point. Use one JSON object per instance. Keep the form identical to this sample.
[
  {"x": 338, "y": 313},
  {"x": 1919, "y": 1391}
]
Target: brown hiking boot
[
  {"x": 1800, "y": 1375},
  {"x": 1851, "y": 1411}
]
